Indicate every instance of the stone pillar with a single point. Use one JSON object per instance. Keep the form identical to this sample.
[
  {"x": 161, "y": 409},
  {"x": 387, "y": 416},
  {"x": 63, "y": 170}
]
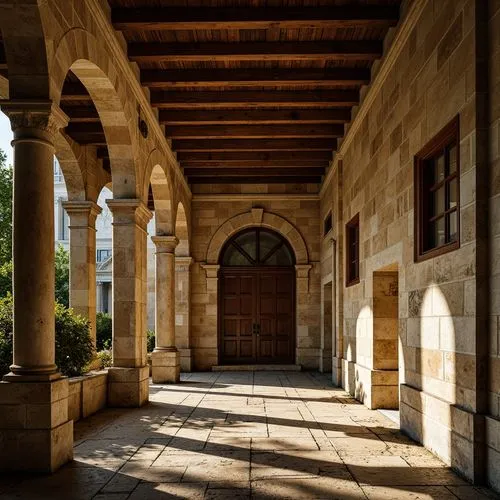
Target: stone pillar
[
  {"x": 128, "y": 379},
  {"x": 82, "y": 257},
  {"x": 35, "y": 431},
  {"x": 165, "y": 358},
  {"x": 182, "y": 311}
]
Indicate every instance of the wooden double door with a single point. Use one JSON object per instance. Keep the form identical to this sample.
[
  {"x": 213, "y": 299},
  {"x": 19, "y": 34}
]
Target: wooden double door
[{"x": 257, "y": 315}]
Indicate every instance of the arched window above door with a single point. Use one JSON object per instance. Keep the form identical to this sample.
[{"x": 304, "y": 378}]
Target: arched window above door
[{"x": 257, "y": 247}]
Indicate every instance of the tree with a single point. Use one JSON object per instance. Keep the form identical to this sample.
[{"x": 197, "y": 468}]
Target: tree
[
  {"x": 5, "y": 210},
  {"x": 62, "y": 276}
]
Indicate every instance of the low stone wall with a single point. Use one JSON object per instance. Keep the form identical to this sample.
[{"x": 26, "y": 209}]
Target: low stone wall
[{"x": 87, "y": 394}]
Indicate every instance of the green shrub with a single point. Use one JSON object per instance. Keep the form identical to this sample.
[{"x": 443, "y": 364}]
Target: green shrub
[
  {"x": 74, "y": 348},
  {"x": 104, "y": 331},
  {"x": 105, "y": 359},
  {"x": 151, "y": 340},
  {"x": 62, "y": 275},
  {"x": 6, "y": 279}
]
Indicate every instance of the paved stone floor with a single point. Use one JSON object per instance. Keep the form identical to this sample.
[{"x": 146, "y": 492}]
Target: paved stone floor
[{"x": 245, "y": 435}]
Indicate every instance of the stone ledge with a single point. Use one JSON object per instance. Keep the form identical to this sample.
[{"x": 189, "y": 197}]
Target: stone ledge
[{"x": 87, "y": 394}]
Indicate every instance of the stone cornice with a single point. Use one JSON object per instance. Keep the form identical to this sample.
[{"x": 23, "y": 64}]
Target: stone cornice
[
  {"x": 165, "y": 244},
  {"x": 45, "y": 116},
  {"x": 182, "y": 264},
  {"x": 103, "y": 23},
  {"x": 402, "y": 35},
  {"x": 83, "y": 207},
  {"x": 211, "y": 270}
]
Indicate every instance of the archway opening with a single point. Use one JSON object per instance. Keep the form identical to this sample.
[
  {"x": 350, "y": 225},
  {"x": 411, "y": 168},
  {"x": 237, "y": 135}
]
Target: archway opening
[{"x": 257, "y": 299}]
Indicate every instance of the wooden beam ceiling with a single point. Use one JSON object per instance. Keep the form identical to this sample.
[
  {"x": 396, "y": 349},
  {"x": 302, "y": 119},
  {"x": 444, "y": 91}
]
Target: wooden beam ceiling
[
  {"x": 253, "y": 99},
  {"x": 227, "y": 78},
  {"x": 262, "y": 145},
  {"x": 245, "y": 172},
  {"x": 352, "y": 50},
  {"x": 208, "y": 157},
  {"x": 247, "y": 117},
  {"x": 242, "y": 18}
]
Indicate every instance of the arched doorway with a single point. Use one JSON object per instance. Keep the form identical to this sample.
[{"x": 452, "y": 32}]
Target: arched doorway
[{"x": 257, "y": 299}]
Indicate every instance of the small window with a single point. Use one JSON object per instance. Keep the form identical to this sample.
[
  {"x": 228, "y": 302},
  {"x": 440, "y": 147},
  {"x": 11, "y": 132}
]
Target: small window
[
  {"x": 327, "y": 224},
  {"x": 103, "y": 254},
  {"x": 437, "y": 210},
  {"x": 352, "y": 253}
]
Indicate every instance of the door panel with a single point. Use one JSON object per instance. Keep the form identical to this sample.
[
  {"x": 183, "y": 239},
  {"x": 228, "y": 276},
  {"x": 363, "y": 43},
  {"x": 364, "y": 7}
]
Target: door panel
[{"x": 257, "y": 316}]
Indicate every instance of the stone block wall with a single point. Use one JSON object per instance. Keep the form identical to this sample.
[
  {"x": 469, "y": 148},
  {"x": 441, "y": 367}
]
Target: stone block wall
[
  {"x": 432, "y": 76},
  {"x": 208, "y": 215}
]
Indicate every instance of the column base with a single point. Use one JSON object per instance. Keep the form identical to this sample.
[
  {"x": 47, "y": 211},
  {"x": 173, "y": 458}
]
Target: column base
[
  {"x": 36, "y": 433},
  {"x": 166, "y": 367},
  {"x": 128, "y": 387}
]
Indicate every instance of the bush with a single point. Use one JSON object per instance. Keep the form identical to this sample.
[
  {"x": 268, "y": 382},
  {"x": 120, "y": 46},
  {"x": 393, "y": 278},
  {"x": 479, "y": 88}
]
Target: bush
[
  {"x": 151, "y": 340},
  {"x": 6, "y": 279},
  {"x": 62, "y": 275},
  {"x": 74, "y": 349},
  {"x": 105, "y": 359},
  {"x": 104, "y": 331}
]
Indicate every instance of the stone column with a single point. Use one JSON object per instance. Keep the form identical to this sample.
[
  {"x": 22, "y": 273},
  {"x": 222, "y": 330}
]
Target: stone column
[
  {"x": 165, "y": 358},
  {"x": 82, "y": 258},
  {"x": 182, "y": 311},
  {"x": 128, "y": 379},
  {"x": 35, "y": 432}
]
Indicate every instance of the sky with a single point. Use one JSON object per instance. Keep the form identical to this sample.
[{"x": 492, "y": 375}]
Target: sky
[{"x": 6, "y": 137}]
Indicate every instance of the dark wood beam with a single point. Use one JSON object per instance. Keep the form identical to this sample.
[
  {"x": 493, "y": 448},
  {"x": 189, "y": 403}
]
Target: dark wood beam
[
  {"x": 352, "y": 50},
  {"x": 3, "y": 58},
  {"x": 242, "y": 18},
  {"x": 255, "y": 77},
  {"x": 208, "y": 157},
  {"x": 252, "y": 99},
  {"x": 254, "y": 131},
  {"x": 102, "y": 153},
  {"x": 254, "y": 145},
  {"x": 75, "y": 92},
  {"x": 224, "y": 165},
  {"x": 84, "y": 128},
  {"x": 243, "y": 172},
  {"x": 79, "y": 114},
  {"x": 250, "y": 179},
  {"x": 242, "y": 117}
]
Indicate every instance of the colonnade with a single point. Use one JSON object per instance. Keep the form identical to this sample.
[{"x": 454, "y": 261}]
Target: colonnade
[{"x": 35, "y": 430}]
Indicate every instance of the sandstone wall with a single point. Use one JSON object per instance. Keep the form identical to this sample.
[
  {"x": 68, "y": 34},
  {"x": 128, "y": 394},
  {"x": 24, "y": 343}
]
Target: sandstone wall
[{"x": 433, "y": 78}]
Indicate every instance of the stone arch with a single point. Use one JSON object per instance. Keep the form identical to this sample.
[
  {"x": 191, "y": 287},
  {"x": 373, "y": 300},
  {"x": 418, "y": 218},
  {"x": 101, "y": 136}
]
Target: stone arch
[
  {"x": 257, "y": 218},
  {"x": 79, "y": 51},
  {"x": 156, "y": 177},
  {"x": 71, "y": 156},
  {"x": 25, "y": 50},
  {"x": 182, "y": 231}
]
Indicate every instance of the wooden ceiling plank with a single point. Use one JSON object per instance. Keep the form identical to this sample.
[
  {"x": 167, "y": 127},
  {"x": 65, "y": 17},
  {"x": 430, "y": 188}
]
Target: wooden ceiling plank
[
  {"x": 281, "y": 179},
  {"x": 257, "y": 164},
  {"x": 254, "y": 77},
  {"x": 211, "y": 117},
  {"x": 79, "y": 114},
  {"x": 253, "y": 131},
  {"x": 221, "y": 145},
  {"x": 252, "y": 99},
  {"x": 237, "y": 18},
  {"x": 242, "y": 172},
  {"x": 207, "y": 157},
  {"x": 352, "y": 50}
]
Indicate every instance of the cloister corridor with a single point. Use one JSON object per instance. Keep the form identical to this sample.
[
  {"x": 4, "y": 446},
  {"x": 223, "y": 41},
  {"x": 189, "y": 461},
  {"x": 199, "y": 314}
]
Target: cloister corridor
[{"x": 233, "y": 435}]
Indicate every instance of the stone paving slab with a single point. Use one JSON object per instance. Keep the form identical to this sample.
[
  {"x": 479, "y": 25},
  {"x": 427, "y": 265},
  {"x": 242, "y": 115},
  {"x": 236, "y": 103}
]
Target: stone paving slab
[{"x": 245, "y": 435}]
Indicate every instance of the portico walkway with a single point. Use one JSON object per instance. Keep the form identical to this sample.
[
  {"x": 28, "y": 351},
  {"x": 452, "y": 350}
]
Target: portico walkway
[{"x": 245, "y": 435}]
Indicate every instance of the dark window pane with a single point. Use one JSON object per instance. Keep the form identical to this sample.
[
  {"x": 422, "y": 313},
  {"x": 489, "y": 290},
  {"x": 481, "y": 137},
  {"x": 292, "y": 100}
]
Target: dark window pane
[
  {"x": 248, "y": 242},
  {"x": 452, "y": 217},
  {"x": 233, "y": 257},
  {"x": 439, "y": 163},
  {"x": 453, "y": 193},
  {"x": 439, "y": 200},
  {"x": 281, "y": 257},
  {"x": 453, "y": 160},
  {"x": 268, "y": 242}
]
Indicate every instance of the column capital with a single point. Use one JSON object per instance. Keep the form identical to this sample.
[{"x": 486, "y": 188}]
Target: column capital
[
  {"x": 182, "y": 264},
  {"x": 25, "y": 114},
  {"x": 165, "y": 244},
  {"x": 127, "y": 211},
  {"x": 88, "y": 209},
  {"x": 211, "y": 270}
]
